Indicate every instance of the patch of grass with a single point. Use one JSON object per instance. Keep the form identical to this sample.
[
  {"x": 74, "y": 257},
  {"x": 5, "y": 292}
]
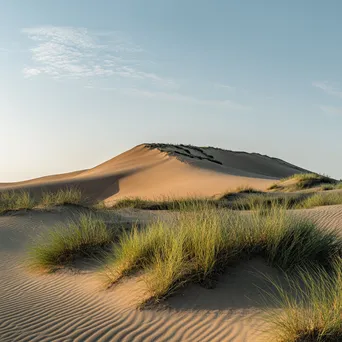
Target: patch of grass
[
  {"x": 203, "y": 241},
  {"x": 82, "y": 236},
  {"x": 264, "y": 201},
  {"x": 247, "y": 190},
  {"x": 326, "y": 187},
  {"x": 320, "y": 199},
  {"x": 14, "y": 200},
  {"x": 312, "y": 310},
  {"x": 338, "y": 185},
  {"x": 62, "y": 197},
  {"x": 303, "y": 181},
  {"x": 163, "y": 204}
]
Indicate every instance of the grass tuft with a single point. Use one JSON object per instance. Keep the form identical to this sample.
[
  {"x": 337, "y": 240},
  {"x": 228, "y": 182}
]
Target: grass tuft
[
  {"x": 62, "y": 197},
  {"x": 302, "y": 181},
  {"x": 11, "y": 200},
  {"x": 82, "y": 236},
  {"x": 321, "y": 199},
  {"x": 204, "y": 240},
  {"x": 312, "y": 310}
]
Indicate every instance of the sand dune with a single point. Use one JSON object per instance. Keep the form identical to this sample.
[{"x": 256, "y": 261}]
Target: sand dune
[
  {"x": 75, "y": 307},
  {"x": 154, "y": 171}
]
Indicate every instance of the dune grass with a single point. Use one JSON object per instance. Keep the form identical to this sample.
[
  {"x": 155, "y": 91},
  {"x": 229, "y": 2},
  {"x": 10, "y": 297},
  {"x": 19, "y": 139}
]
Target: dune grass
[
  {"x": 165, "y": 203},
  {"x": 320, "y": 199},
  {"x": 23, "y": 200},
  {"x": 81, "y": 237},
  {"x": 203, "y": 241},
  {"x": 69, "y": 195},
  {"x": 11, "y": 200},
  {"x": 311, "y": 310},
  {"x": 303, "y": 181}
]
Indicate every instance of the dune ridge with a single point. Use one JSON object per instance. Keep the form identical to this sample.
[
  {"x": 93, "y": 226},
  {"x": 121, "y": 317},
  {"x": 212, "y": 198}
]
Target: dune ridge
[{"x": 152, "y": 171}]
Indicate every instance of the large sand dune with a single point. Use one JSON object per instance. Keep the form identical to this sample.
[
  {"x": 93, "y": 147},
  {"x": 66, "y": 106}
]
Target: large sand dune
[
  {"x": 74, "y": 307},
  {"x": 157, "y": 170}
]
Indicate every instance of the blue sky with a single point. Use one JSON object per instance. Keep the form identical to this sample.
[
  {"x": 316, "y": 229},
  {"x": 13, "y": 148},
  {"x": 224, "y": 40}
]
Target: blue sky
[{"x": 82, "y": 81}]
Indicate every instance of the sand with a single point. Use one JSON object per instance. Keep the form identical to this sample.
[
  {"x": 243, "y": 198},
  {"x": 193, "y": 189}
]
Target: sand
[
  {"x": 73, "y": 306},
  {"x": 171, "y": 171}
]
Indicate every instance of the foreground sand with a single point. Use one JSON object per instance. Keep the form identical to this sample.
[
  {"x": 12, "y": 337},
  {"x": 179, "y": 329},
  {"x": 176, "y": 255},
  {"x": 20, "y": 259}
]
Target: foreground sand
[
  {"x": 74, "y": 306},
  {"x": 153, "y": 173}
]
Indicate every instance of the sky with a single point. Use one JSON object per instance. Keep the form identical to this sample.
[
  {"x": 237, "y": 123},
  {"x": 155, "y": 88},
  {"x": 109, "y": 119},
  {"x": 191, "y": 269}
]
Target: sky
[{"x": 82, "y": 81}]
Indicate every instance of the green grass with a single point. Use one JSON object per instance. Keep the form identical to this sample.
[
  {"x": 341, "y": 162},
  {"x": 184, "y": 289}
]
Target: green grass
[
  {"x": 247, "y": 190},
  {"x": 247, "y": 201},
  {"x": 320, "y": 199},
  {"x": 62, "y": 197},
  {"x": 303, "y": 181},
  {"x": 80, "y": 237},
  {"x": 162, "y": 204},
  {"x": 338, "y": 185},
  {"x": 264, "y": 201},
  {"x": 11, "y": 200},
  {"x": 23, "y": 200},
  {"x": 326, "y": 187},
  {"x": 311, "y": 311},
  {"x": 204, "y": 241}
]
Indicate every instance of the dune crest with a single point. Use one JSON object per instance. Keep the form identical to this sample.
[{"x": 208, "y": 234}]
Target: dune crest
[{"x": 153, "y": 171}]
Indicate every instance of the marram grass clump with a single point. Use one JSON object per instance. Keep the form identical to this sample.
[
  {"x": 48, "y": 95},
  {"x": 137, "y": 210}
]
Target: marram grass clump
[
  {"x": 204, "y": 241},
  {"x": 61, "y": 197},
  {"x": 23, "y": 200},
  {"x": 82, "y": 236},
  {"x": 321, "y": 199},
  {"x": 15, "y": 200},
  {"x": 302, "y": 181},
  {"x": 310, "y": 308}
]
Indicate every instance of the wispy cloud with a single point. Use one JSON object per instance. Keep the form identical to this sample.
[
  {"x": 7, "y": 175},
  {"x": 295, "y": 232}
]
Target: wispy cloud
[
  {"x": 79, "y": 53},
  {"x": 335, "y": 111},
  {"x": 225, "y": 87},
  {"x": 177, "y": 97},
  {"x": 329, "y": 88},
  {"x": 68, "y": 52}
]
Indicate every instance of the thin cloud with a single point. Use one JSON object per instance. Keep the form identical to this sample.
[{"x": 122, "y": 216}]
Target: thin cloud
[
  {"x": 335, "y": 111},
  {"x": 69, "y": 52},
  {"x": 226, "y": 87},
  {"x": 177, "y": 97},
  {"x": 331, "y": 89}
]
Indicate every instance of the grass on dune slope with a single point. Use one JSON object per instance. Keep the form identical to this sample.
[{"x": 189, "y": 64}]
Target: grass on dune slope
[
  {"x": 20, "y": 200},
  {"x": 303, "y": 181},
  {"x": 81, "y": 237},
  {"x": 11, "y": 200},
  {"x": 250, "y": 200},
  {"x": 61, "y": 197},
  {"x": 204, "y": 241},
  {"x": 313, "y": 310}
]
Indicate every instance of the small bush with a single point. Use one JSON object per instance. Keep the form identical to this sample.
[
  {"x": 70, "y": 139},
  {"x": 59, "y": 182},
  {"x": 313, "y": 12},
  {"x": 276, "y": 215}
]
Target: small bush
[
  {"x": 14, "y": 200},
  {"x": 311, "y": 310},
  {"x": 59, "y": 246},
  {"x": 204, "y": 240}
]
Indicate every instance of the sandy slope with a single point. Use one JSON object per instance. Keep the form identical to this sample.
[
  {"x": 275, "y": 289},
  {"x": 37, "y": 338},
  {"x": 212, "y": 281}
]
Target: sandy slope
[
  {"x": 74, "y": 307},
  {"x": 168, "y": 171}
]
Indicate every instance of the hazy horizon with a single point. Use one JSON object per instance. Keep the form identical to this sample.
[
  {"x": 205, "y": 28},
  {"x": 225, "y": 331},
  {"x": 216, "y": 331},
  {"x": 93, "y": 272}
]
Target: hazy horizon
[{"x": 84, "y": 81}]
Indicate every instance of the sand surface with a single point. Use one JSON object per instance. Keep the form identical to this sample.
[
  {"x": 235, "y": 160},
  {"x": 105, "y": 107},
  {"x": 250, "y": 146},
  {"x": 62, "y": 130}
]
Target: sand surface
[
  {"x": 171, "y": 171},
  {"x": 75, "y": 307}
]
